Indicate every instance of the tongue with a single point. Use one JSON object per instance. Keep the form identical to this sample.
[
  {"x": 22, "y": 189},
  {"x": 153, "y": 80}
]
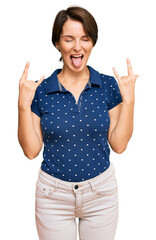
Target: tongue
[{"x": 76, "y": 61}]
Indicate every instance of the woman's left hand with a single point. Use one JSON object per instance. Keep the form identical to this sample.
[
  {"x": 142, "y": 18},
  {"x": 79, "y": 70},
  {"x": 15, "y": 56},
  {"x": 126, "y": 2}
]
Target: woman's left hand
[{"x": 127, "y": 84}]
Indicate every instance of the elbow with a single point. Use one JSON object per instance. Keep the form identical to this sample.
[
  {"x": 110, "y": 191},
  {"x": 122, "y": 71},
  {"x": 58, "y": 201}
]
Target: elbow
[
  {"x": 120, "y": 145},
  {"x": 30, "y": 152},
  {"x": 30, "y": 156},
  {"x": 120, "y": 150}
]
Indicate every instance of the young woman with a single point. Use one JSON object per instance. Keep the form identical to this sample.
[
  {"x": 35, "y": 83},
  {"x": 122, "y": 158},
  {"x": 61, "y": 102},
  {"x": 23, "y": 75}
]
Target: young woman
[{"x": 77, "y": 113}]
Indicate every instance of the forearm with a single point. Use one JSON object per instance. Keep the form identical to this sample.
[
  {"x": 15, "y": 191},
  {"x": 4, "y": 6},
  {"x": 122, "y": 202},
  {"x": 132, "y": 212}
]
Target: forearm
[
  {"x": 27, "y": 136},
  {"x": 122, "y": 132}
]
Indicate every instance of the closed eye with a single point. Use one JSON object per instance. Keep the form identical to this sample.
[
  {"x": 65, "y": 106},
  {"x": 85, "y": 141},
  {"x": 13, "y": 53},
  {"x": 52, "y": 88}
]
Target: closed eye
[
  {"x": 85, "y": 39},
  {"x": 68, "y": 38}
]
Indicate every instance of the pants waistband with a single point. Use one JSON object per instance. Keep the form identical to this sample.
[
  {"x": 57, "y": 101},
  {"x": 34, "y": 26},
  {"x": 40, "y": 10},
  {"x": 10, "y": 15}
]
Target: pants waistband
[{"x": 77, "y": 186}]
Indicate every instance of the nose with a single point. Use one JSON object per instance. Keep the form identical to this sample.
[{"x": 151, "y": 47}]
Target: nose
[{"x": 77, "y": 45}]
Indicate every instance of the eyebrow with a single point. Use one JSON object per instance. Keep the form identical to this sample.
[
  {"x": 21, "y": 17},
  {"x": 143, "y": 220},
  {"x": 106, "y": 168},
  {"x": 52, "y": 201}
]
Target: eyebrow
[
  {"x": 72, "y": 36},
  {"x": 67, "y": 36}
]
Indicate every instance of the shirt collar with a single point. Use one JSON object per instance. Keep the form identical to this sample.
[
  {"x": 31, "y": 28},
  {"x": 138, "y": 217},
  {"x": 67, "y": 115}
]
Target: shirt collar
[{"x": 53, "y": 84}]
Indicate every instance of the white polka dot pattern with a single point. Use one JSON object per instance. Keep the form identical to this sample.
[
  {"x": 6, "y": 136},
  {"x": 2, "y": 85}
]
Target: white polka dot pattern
[{"x": 75, "y": 135}]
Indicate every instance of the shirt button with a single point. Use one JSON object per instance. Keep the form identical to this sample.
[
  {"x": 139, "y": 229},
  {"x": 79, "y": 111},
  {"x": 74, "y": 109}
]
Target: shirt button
[{"x": 76, "y": 186}]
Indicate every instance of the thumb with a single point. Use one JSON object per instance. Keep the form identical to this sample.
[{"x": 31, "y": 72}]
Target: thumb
[
  {"x": 136, "y": 76},
  {"x": 39, "y": 81}
]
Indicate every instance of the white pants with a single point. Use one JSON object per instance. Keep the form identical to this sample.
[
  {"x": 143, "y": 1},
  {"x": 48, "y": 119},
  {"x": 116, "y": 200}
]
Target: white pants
[{"x": 94, "y": 202}]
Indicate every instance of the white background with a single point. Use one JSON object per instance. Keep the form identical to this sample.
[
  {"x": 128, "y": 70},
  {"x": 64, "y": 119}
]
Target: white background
[{"x": 126, "y": 29}]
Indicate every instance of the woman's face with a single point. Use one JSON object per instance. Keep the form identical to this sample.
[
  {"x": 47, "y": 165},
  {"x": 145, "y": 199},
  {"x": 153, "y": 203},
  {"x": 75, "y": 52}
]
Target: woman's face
[{"x": 74, "y": 45}]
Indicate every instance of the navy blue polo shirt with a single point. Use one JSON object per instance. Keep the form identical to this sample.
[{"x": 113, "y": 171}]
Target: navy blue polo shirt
[{"x": 75, "y": 135}]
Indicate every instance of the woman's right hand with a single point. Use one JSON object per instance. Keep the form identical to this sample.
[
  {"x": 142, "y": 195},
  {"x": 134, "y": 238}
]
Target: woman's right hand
[{"x": 27, "y": 89}]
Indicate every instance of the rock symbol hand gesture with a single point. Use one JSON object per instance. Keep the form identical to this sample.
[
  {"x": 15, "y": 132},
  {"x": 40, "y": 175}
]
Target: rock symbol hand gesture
[
  {"x": 27, "y": 89},
  {"x": 127, "y": 84}
]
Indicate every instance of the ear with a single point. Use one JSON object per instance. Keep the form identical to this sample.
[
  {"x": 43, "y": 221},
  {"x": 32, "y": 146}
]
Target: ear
[{"x": 57, "y": 46}]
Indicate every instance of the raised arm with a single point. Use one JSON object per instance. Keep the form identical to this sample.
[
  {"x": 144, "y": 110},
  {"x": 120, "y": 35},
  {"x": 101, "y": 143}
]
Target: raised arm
[
  {"x": 29, "y": 129},
  {"x": 121, "y": 116}
]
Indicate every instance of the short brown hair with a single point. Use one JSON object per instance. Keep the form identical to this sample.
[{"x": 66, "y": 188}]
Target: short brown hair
[{"x": 78, "y": 14}]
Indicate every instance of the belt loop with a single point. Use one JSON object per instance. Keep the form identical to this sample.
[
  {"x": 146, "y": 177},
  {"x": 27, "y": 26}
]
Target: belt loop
[
  {"x": 39, "y": 172},
  {"x": 56, "y": 184},
  {"x": 92, "y": 186}
]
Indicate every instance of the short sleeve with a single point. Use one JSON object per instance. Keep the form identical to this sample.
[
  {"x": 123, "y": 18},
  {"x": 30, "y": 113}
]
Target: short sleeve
[
  {"x": 35, "y": 104},
  {"x": 113, "y": 94}
]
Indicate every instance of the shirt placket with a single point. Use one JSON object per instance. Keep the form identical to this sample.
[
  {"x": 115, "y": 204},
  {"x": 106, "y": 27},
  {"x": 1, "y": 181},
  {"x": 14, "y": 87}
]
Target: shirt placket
[{"x": 77, "y": 106}]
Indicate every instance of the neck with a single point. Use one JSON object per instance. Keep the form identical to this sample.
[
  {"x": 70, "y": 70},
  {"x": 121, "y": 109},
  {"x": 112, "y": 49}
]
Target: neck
[{"x": 72, "y": 77}]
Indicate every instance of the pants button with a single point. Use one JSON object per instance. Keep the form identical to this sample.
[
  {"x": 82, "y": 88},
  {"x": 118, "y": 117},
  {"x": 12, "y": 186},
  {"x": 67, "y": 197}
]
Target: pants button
[{"x": 76, "y": 186}]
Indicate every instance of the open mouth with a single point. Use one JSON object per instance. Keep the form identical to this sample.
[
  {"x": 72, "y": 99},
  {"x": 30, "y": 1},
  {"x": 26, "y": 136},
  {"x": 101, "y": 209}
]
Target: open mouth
[
  {"x": 76, "y": 59},
  {"x": 77, "y": 56}
]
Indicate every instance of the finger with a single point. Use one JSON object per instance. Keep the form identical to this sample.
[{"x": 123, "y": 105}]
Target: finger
[
  {"x": 136, "y": 76},
  {"x": 129, "y": 67},
  {"x": 116, "y": 74},
  {"x": 39, "y": 81},
  {"x": 25, "y": 72}
]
